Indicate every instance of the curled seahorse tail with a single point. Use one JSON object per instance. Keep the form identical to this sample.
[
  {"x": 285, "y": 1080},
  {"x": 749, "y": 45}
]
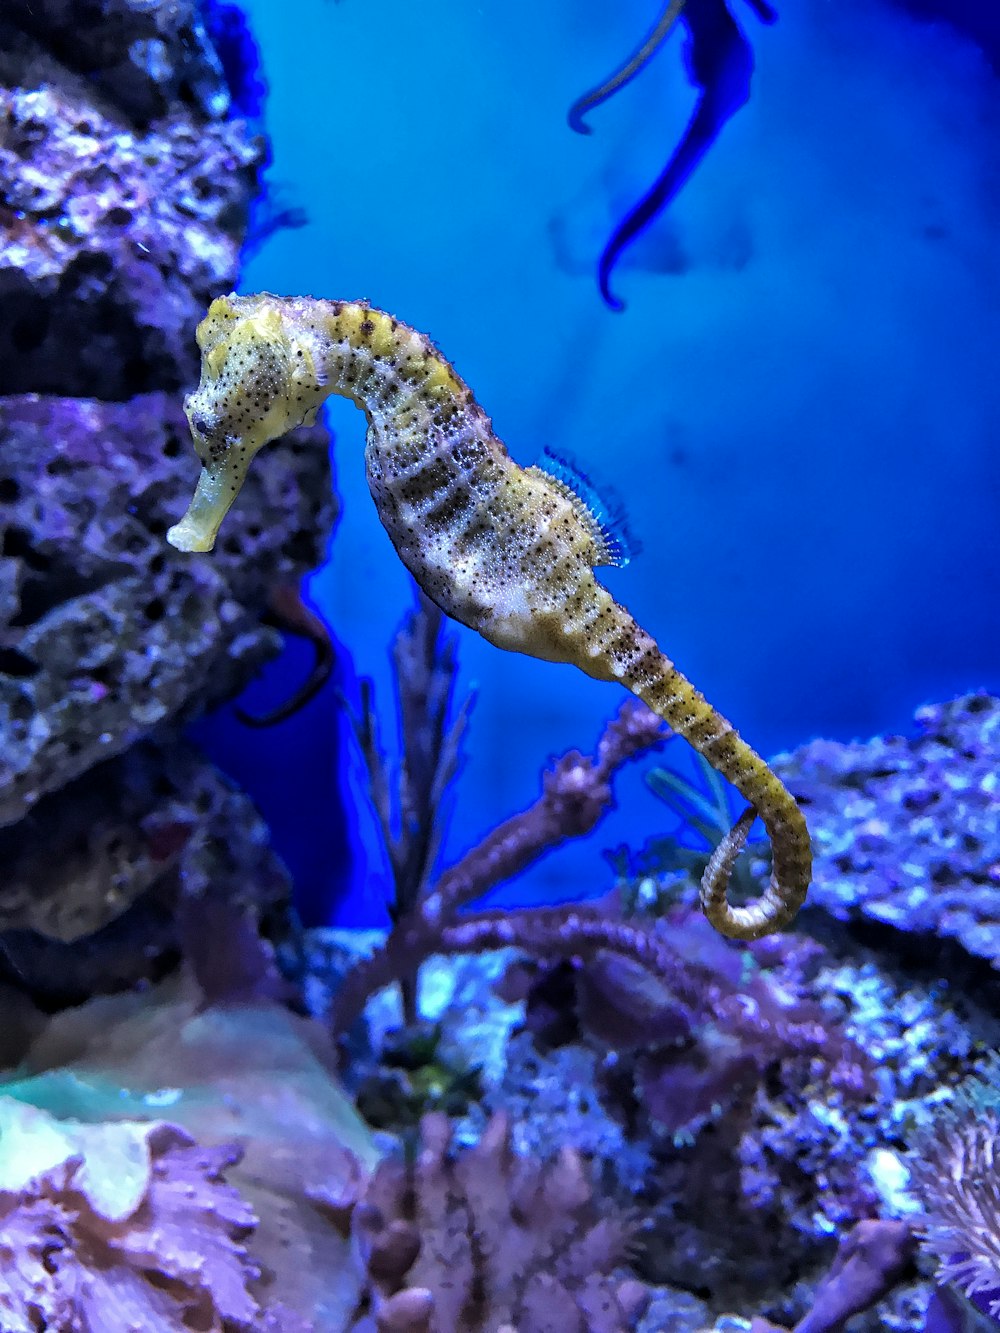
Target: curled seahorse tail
[{"x": 674, "y": 699}]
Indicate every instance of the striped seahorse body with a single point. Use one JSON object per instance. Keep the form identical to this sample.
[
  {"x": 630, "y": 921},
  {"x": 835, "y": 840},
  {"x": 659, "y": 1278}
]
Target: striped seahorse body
[{"x": 508, "y": 551}]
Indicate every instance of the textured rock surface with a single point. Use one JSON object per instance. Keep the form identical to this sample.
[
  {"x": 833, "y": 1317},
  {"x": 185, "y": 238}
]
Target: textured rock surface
[
  {"x": 906, "y": 830},
  {"x": 151, "y": 819},
  {"x": 115, "y": 234},
  {"x": 105, "y": 631},
  {"x": 147, "y": 58},
  {"x": 127, "y": 171}
]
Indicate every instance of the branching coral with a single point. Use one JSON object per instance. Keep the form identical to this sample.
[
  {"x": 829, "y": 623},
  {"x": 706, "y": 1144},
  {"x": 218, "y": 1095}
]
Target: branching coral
[
  {"x": 119, "y": 1226},
  {"x": 407, "y": 798},
  {"x": 741, "y": 1099},
  {"x": 700, "y": 1035},
  {"x": 483, "y": 1240},
  {"x": 427, "y": 917}
]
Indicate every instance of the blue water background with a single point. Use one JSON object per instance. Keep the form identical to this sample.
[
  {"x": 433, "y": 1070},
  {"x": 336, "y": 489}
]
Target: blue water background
[{"x": 798, "y": 408}]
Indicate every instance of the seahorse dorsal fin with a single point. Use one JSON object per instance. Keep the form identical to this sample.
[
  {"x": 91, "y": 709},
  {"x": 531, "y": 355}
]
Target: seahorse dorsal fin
[{"x": 600, "y": 510}]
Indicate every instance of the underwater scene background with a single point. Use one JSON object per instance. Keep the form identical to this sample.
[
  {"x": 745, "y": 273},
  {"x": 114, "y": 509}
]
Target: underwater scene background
[
  {"x": 795, "y": 410},
  {"x": 359, "y": 973}
]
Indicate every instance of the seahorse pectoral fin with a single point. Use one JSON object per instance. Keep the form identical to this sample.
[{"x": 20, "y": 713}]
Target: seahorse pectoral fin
[{"x": 217, "y": 488}]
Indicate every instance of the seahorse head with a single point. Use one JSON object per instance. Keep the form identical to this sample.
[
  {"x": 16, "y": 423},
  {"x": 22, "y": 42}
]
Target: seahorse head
[{"x": 257, "y": 382}]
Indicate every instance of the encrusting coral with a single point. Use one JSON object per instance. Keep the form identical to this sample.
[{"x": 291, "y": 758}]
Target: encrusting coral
[
  {"x": 505, "y": 550},
  {"x": 905, "y": 829}
]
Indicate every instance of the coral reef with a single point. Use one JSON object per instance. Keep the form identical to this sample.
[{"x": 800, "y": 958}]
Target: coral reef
[
  {"x": 119, "y": 1226},
  {"x": 575, "y": 793},
  {"x": 244, "y": 1073},
  {"x": 480, "y": 1239},
  {"x": 871, "y": 1260},
  {"x": 715, "y": 1069},
  {"x": 105, "y": 634},
  {"x": 750, "y": 1103},
  {"x": 117, "y": 230},
  {"x": 95, "y": 873},
  {"x": 905, "y": 829}
]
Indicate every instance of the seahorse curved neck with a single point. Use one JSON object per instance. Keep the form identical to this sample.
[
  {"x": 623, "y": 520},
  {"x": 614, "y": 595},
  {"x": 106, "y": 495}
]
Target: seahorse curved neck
[{"x": 506, "y": 550}]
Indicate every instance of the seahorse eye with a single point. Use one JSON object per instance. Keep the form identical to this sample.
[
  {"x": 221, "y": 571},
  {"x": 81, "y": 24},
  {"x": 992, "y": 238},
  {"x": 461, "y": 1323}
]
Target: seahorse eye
[{"x": 200, "y": 421}]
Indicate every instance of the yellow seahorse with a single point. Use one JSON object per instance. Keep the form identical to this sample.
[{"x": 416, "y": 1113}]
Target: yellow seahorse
[{"x": 506, "y": 550}]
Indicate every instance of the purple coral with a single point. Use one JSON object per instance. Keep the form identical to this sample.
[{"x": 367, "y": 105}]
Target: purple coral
[
  {"x": 955, "y": 1172},
  {"x": 428, "y": 917},
  {"x": 905, "y": 829},
  {"x": 482, "y": 1239},
  {"x": 119, "y": 1227}
]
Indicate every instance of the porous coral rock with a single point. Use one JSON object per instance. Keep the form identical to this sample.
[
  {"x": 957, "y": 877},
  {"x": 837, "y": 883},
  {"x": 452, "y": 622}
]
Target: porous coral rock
[
  {"x": 743, "y": 1206},
  {"x": 108, "y": 632},
  {"x": 147, "y": 57},
  {"x": 904, "y": 828},
  {"x": 95, "y": 873},
  {"x": 126, "y": 179},
  {"x": 115, "y": 235}
]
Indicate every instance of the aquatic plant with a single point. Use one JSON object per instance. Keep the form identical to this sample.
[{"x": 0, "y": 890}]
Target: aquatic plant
[
  {"x": 507, "y": 551},
  {"x": 480, "y": 1239},
  {"x": 704, "y": 813},
  {"x": 719, "y": 63}
]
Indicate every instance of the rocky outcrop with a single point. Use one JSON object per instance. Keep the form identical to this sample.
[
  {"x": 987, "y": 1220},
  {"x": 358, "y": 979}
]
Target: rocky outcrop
[
  {"x": 127, "y": 173},
  {"x": 105, "y": 631}
]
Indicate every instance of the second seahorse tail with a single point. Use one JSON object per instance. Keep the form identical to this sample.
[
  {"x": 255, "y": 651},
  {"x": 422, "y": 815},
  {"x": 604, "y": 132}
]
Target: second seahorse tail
[{"x": 671, "y": 696}]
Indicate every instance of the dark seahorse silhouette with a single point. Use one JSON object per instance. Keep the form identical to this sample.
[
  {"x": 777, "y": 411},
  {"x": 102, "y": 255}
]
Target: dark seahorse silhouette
[
  {"x": 508, "y": 551},
  {"x": 719, "y": 63}
]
